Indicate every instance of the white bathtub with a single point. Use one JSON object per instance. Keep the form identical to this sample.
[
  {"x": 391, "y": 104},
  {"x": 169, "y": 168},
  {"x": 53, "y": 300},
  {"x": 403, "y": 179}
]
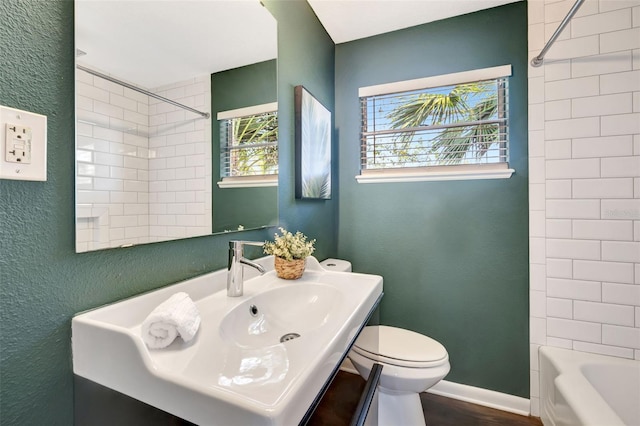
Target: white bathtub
[{"x": 578, "y": 388}]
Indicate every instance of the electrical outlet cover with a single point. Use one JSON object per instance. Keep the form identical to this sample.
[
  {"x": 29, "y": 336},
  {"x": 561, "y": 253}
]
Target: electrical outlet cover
[{"x": 23, "y": 145}]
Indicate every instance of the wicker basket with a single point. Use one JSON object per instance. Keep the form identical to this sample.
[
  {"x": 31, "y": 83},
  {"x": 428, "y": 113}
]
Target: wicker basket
[{"x": 289, "y": 269}]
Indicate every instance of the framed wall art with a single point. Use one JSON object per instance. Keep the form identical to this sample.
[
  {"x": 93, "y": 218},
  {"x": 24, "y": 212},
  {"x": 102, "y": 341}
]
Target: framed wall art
[{"x": 313, "y": 146}]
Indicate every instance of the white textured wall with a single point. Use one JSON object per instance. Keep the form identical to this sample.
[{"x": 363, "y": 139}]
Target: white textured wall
[{"x": 584, "y": 192}]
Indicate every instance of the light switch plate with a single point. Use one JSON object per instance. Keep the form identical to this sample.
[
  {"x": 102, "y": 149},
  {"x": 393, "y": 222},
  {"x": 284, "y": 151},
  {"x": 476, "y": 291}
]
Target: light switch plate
[{"x": 23, "y": 145}]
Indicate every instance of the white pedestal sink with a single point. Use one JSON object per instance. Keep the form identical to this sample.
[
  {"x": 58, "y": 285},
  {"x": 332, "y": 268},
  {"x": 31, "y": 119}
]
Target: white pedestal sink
[{"x": 236, "y": 370}]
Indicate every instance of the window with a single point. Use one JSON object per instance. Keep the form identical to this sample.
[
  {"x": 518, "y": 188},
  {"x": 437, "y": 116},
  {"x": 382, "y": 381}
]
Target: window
[
  {"x": 249, "y": 146},
  {"x": 420, "y": 128}
]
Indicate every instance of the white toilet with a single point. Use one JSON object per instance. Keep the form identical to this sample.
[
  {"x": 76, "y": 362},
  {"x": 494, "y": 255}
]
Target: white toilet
[{"x": 412, "y": 363}]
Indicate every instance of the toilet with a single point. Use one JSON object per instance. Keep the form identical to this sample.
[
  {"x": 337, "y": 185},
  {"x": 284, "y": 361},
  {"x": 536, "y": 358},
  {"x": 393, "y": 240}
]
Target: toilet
[{"x": 412, "y": 363}]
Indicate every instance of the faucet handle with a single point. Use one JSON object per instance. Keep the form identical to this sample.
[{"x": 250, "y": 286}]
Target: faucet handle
[{"x": 237, "y": 244}]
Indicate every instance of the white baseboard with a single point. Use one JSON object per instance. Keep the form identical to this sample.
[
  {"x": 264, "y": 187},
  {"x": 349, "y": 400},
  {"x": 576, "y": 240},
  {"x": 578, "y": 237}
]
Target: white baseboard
[{"x": 480, "y": 396}]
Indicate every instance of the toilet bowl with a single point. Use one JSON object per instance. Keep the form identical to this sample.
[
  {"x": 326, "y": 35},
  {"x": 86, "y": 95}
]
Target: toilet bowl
[{"x": 412, "y": 363}]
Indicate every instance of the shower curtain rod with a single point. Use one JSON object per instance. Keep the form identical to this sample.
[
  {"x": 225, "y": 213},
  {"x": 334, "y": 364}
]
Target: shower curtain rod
[
  {"x": 138, "y": 89},
  {"x": 538, "y": 60}
]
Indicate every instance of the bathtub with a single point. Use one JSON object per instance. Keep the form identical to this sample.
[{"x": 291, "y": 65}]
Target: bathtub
[{"x": 578, "y": 388}]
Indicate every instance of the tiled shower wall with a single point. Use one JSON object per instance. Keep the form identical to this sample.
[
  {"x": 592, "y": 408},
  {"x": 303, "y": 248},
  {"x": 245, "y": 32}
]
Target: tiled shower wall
[
  {"x": 584, "y": 180},
  {"x": 125, "y": 141},
  {"x": 180, "y": 162}
]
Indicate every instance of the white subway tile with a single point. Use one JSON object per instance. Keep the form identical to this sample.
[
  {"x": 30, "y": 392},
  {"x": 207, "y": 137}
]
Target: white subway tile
[
  {"x": 619, "y": 230},
  {"x": 620, "y": 103},
  {"x": 558, "y": 149},
  {"x": 621, "y": 251},
  {"x": 622, "y": 294},
  {"x": 536, "y": 90},
  {"x": 572, "y": 169},
  {"x": 636, "y": 102},
  {"x": 536, "y": 196},
  {"x": 607, "y": 146},
  {"x": 607, "y": 5},
  {"x": 573, "y": 249},
  {"x": 621, "y": 166},
  {"x": 560, "y": 70},
  {"x": 575, "y": 330},
  {"x": 620, "y": 40},
  {"x": 573, "y": 88},
  {"x": 603, "y": 188},
  {"x": 601, "y": 64},
  {"x": 534, "y": 359},
  {"x": 557, "y": 110},
  {"x": 559, "y": 308},
  {"x": 550, "y": 28},
  {"x": 575, "y": 48},
  {"x": 635, "y": 54},
  {"x": 558, "y": 188},
  {"x": 536, "y": 171},
  {"x": 108, "y": 85},
  {"x": 637, "y": 273},
  {"x": 638, "y": 317},
  {"x": 538, "y": 331},
  {"x": 573, "y": 128},
  {"x": 559, "y": 343},
  {"x": 605, "y": 313},
  {"x": 536, "y": 117},
  {"x": 92, "y": 92},
  {"x": 91, "y": 197},
  {"x": 104, "y": 184},
  {"x": 573, "y": 209},
  {"x": 574, "y": 289},
  {"x": 537, "y": 250},
  {"x": 617, "y": 272},
  {"x": 559, "y": 268},
  {"x": 535, "y": 12},
  {"x": 620, "y": 82},
  {"x": 603, "y": 349},
  {"x": 620, "y": 209},
  {"x": 555, "y": 11},
  {"x": 636, "y": 14},
  {"x": 615, "y": 335},
  {"x": 636, "y": 230},
  {"x": 636, "y": 144},
  {"x": 537, "y": 303},
  {"x": 620, "y": 124},
  {"x": 108, "y": 134},
  {"x": 558, "y": 228},
  {"x": 123, "y": 197},
  {"x": 122, "y": 173},
  {"x": 535, "y": 36},
  {"x": 536, "y": 223},
  {"x": 601, "y": 23},
  {"x": 536, "y": 143},
  {"x": 534, "y": 388},
  {"x": 108, "y": 159},
  {"x": 537, "y": 277}
]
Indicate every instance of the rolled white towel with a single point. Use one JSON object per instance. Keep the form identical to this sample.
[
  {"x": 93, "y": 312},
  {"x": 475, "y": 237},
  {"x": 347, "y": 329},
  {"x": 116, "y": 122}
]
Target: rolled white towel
[{"x": 176, "y": 316}]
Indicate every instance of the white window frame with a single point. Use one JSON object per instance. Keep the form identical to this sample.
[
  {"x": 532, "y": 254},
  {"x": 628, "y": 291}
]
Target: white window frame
[
  {"x": 444, "y": 172},
  {"x": 248, "y": 181}
]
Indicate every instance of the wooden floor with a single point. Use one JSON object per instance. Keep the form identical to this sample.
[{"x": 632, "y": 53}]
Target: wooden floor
[{"x": 341, "y": 400}]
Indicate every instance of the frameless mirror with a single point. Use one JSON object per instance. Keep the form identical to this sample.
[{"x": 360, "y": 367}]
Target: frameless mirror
[{"x": 152, "y": 77}]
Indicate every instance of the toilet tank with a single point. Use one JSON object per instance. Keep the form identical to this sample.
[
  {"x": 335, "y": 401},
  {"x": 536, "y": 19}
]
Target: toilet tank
[{"x": 337, "y": 265}]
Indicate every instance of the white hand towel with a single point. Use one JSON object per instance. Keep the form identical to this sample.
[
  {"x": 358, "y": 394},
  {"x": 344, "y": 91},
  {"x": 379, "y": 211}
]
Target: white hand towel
[{"x": 177, "y": 315}]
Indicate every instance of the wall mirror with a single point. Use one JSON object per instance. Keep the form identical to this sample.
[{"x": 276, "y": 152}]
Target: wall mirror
[{"x": 151, "y": 78}]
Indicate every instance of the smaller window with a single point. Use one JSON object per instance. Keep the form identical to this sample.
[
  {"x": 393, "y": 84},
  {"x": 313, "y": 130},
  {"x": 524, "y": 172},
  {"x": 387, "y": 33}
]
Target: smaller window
[
  {"x": 424, "y": 125},
  {"x": 249, "y": 143}
]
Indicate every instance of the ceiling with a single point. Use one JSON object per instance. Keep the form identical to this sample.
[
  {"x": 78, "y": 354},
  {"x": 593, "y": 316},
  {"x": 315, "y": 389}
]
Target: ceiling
[
  {"x": 155, "y": 42},
  {"x": 348, "y": 20}
]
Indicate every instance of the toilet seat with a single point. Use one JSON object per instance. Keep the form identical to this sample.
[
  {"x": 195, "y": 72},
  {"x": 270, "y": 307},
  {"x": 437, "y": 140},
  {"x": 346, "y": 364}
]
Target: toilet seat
[{"x": 399, "y": 347}]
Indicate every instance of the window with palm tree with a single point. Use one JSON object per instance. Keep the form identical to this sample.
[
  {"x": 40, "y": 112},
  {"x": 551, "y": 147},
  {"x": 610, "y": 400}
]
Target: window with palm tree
[
  {"x": 455, "y": 124},
  {"x": 249, "y": 145}
]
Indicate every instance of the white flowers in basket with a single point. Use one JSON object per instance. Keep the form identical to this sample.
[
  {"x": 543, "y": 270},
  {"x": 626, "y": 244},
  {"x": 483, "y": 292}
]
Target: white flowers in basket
[{"x": 290, "y": 246}]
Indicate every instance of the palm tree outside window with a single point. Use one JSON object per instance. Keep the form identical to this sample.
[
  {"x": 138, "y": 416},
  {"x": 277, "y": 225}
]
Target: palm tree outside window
[
  {"x": 249, "y": 145},
  {"x": 453, "y": 124}
]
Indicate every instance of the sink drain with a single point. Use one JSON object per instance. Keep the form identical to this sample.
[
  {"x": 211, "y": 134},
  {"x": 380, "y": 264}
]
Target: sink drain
[{"x": 289, "y": 336}]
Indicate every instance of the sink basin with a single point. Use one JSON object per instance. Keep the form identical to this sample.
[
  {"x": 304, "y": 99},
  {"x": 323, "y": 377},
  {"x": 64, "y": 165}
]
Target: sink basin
[
  {"x": 266, "y": 319},
  {"x": 259, "y": 359}
]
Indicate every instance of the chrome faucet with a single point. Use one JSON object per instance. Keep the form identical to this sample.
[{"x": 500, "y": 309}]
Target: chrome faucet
[{"x": 235, "y": 268}]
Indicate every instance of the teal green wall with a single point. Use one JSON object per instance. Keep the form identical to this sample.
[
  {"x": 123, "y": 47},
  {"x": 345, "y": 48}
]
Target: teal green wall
[
  {"x": 238, "y": 88},
  {"x": 43, "y": 281},
  {"x": 453, "y": 254}
]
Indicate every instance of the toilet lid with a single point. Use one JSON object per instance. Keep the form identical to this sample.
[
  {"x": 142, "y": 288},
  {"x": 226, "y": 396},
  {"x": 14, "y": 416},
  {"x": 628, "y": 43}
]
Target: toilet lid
[{"x": 401, "y": 347}]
